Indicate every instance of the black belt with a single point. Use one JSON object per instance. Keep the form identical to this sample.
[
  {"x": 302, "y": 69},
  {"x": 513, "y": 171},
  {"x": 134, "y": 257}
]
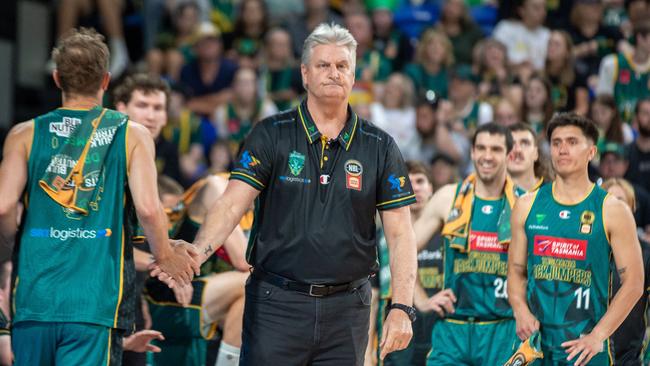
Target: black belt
[{"x": 306, "y": 288}]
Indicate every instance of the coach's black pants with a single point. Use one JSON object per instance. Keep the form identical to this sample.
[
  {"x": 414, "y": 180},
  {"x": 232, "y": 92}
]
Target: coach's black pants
[{"x": 288, "y": 328}]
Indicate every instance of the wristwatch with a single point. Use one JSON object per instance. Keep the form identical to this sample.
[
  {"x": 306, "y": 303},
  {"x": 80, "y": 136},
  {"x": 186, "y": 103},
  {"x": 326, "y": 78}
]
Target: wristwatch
[{"x": 409, "y": 310}]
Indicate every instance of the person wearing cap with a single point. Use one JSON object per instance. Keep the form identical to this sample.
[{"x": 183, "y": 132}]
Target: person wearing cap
[
  {"x": 462, "y": 94},
  {"x": 613, "y": 164},
  {"x": 210, "y": 75},
  {"x": 318, "y": 174},
  {"x": 389, "y": 39}
]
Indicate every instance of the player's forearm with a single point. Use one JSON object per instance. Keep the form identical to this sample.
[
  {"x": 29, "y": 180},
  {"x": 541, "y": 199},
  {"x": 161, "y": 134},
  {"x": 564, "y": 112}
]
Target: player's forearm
[
  {"x": 419, "y": 295},
  {"x": 621, "y": 305},
  {"x": 403, "y": 266},
  {"x": 220, "y": 221},
  {"x": 154, "y": 224},
  {"x": 8, "y": 227},
  {"x": 517, "y": 290}
]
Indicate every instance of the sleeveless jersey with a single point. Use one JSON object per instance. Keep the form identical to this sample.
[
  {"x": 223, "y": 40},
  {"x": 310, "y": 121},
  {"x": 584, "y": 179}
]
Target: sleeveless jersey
[
  {"x": 629, "y": 87},
  {"x": 478, "y": 277},
  {"x": 71, "y": 267},
  {"x": 569, "y": 265}
]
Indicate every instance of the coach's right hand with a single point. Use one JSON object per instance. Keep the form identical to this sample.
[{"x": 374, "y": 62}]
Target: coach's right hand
[
  {"x": 527, "y": 324},
  {"x": 180, "y": 264}
]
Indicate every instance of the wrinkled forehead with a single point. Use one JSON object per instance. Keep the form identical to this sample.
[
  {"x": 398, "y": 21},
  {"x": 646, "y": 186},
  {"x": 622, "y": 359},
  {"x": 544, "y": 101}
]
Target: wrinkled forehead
[{"x": 330, "y": 53}]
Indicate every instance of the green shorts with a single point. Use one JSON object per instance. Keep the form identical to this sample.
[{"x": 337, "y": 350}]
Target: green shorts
[
  {"x": 48, "y": 343},
  {"x": 185, "y": 333},
  {"x": 458, "y": 342}
]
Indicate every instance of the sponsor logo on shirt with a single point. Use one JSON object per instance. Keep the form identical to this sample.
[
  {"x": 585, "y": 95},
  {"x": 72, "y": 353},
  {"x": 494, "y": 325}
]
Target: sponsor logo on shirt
[
  {"x": 565, "y": 214},
  {"x": 65, "y": 127},
  {"x": 486, "y": 242},
  {"x": 248, "y": 160},
  {"x": 396, "y": 183},
  {"x": 550, "y": 246},
  {"x": 69, "y": 233}
]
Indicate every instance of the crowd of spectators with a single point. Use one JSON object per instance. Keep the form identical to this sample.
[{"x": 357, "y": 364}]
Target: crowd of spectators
[{"x": 428, "y": 72}]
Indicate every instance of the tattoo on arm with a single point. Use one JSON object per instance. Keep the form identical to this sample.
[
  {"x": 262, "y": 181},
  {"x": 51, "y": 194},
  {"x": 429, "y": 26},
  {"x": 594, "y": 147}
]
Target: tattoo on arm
[
  {"x": 207, "y": 250},
  {"x": 621, "y": 270}
]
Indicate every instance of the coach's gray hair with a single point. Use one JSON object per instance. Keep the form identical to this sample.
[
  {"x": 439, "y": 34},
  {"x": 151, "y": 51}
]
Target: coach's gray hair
[{"x": 326, "y": 34}]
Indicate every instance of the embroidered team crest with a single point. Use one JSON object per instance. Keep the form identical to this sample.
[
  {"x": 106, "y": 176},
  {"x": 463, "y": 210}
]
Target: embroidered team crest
[
  {"x": 296, "y": 162},
  {"x": 587, "y": 219}
]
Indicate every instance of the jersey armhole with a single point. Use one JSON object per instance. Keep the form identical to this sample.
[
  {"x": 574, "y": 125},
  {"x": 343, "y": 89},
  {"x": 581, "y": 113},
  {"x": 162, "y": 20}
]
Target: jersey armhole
[
  {"x": 602, "y": 209},
  {"x": 126, "y": 148}
]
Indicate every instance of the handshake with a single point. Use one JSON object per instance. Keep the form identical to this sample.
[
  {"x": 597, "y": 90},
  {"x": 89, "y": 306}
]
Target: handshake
[{"x": 177, "y": 265}]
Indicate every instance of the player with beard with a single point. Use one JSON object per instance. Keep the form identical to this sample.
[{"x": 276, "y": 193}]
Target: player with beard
[{"x": 477, "y": 327}]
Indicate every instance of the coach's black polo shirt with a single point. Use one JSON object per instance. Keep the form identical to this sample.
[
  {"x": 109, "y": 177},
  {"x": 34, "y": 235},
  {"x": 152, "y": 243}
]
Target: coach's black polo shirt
[{"x": 315, "y": 215}]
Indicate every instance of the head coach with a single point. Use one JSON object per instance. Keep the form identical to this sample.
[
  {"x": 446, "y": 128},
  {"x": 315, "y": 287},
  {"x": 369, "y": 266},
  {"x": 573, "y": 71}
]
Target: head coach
[{"x": 318, "y": 174}]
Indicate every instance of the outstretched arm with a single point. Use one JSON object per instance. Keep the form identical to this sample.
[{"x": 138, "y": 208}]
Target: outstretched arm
[
  {"x": 13, "y": 178},
  {"x": 433, "y": 215}
]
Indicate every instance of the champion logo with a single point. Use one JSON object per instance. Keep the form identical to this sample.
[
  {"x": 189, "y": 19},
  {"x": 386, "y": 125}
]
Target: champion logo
[
  {"x": 487, "y": 209},
  {"x": 324, "y": 179},
  {"x": 565, "y": 214}
]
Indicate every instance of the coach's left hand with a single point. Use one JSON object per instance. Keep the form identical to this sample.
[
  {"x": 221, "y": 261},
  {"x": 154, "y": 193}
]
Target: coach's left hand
[
  {"x": 587, "y": 347},
  {"x": 397, "y": 332}
]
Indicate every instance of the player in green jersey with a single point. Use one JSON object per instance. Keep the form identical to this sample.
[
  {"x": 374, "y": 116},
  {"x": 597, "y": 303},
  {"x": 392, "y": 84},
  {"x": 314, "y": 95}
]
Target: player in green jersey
[
  {"x": 626, "y": 76},
  {"x": 560, "y": 259},
  {"x": 79, "y": 177},
  {"x": 477, "y": 326}
]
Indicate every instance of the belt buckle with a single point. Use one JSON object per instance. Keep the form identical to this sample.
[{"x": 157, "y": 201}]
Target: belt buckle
[{"x": 311, "y": 290}]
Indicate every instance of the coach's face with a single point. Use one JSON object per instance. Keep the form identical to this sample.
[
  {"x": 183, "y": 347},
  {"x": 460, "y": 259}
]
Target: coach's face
[
  {"x": 571, "y": 150},
  {"x": 329, "y": 74},
  {"x": 489, "y": 155}
]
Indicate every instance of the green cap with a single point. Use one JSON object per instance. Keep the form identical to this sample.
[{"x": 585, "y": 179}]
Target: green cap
[
  {"x": 463, "y": 72},
  {"x": 373, "y": 5},
  {"x": 613, "y": 148}
]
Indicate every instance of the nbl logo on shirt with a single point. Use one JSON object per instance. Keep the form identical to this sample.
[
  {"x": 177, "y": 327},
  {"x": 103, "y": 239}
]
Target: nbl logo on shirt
[
  {"x": 486, "y": 242},
  {"x": 550, "y": 246}
]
